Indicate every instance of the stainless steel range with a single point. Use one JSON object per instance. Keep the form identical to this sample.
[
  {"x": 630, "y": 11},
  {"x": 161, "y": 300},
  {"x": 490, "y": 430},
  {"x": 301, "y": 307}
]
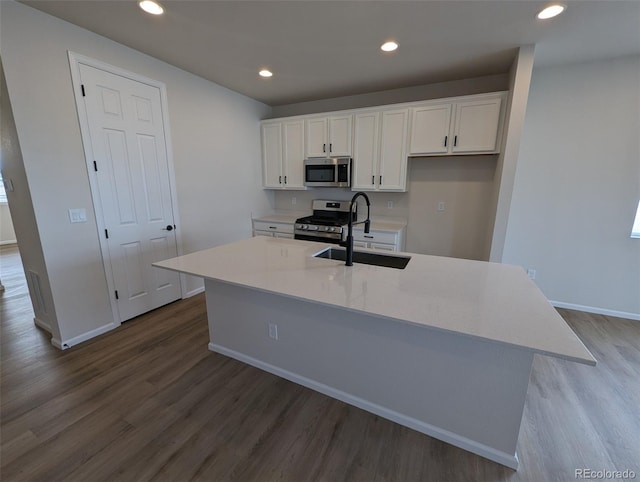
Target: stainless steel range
[{"x": 327, "y": 224}]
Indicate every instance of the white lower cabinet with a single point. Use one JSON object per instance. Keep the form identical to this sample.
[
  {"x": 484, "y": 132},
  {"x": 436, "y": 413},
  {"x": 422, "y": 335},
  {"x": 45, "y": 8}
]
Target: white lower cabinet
[
  {"x": 386, "y": 237},
  {"x": 275, "y": 230},
  {"x": 379, "y": 239}
]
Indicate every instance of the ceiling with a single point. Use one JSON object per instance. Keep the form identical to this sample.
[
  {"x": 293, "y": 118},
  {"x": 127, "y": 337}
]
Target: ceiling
[{"x": 324, "y": 49}]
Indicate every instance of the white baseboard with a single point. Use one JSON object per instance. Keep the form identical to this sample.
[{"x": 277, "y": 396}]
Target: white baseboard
[
  {"x": 509, "y": 460},
  {"x": 8, "y": 241},
  {"x": 191, "y": 293},
  {"x": 42, "y": 324},
  {"x": 63, "y": 345},
  {"x": 596, "y": 310}
]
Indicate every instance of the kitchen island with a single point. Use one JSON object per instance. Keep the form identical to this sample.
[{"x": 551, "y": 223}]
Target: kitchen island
[{"x": 444, "y": 346}]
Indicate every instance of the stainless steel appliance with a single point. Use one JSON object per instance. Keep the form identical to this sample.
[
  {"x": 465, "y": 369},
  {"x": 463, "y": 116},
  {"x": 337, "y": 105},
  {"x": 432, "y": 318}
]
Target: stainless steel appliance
[
  {"x": 327, "y": 224},
  {"x": 320, "y": 172}
]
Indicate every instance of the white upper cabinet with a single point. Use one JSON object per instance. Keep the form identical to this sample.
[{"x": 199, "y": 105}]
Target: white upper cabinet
[
  {"x": 366, "y": 146},
  {"x": 476, "y": 126},
  {"x": 316, "y": 138},
  {"x": 380, "y": 156},
  {"x": 393, "y": 150},
  {"x": 430, "y": 129},
  {"x": 329, "y": 136},
  {"x": 272, "y": 154},
  {"x": 283, "y": 154},
  {"x": 380, "y": 139},
  {"x": 464, "y": 127}
]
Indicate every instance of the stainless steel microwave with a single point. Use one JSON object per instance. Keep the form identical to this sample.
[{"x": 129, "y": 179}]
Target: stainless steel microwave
[{"x": 320, "y": 172}]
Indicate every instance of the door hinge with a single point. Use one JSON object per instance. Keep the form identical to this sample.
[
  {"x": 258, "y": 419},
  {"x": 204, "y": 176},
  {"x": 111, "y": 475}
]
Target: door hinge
[
  {"x": 106, "y": 233},
  {"x": 95, "y": 166},
  {"x": 117, "y": 297},
  {"x": 82, "y": 88}
]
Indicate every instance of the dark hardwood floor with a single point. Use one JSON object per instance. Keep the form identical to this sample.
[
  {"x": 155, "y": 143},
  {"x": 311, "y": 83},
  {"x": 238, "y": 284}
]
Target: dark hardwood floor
[{"x": 148, "y": 401}]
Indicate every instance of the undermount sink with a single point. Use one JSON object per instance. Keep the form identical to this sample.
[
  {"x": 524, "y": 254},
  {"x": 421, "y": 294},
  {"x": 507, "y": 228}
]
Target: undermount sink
[{"x": 386, "y": 260}]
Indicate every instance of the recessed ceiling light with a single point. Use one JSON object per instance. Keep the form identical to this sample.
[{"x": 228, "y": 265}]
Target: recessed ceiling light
[
  {"x": 151, "y": 7},
  {"x": 265, "y": 73},
  {"x": 389, "y": 46},
  {"x": 551, "y": 11}
]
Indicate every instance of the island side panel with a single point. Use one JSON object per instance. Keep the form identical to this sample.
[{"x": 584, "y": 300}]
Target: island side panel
[{"x": 461, "y": 390}]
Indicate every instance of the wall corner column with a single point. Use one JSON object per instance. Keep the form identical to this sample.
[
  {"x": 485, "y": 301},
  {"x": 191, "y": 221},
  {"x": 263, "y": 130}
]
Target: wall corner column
[{"x": 520, "y": 81}]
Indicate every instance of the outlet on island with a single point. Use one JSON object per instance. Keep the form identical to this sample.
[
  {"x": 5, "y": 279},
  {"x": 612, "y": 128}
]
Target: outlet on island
[{"x": 273, "y": 331}]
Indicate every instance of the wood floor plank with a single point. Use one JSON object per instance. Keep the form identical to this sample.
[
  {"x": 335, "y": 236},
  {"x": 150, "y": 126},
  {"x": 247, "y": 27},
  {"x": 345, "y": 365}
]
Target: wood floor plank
[{"x": 148, "y": 401}]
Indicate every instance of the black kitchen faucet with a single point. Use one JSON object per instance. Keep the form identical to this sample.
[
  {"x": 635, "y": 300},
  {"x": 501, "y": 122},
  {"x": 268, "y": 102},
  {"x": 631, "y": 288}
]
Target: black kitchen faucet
[{"x": 367, "y": 226}]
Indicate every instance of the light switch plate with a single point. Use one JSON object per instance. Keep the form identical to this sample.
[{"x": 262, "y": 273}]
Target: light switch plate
[{"x": 78, "y": 215}]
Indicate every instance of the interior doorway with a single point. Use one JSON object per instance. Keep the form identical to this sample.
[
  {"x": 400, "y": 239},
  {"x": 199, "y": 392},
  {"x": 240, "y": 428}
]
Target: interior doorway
[{"x": 124, "y": 131}]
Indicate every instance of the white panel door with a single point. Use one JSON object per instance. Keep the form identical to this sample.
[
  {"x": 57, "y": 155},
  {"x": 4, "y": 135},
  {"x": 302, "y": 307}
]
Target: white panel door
[{"x": 127, "y": 139}]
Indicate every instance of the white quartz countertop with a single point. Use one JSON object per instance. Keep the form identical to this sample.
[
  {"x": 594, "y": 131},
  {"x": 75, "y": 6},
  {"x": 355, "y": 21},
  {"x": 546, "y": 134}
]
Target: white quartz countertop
[{"x": 491, "y": 301}]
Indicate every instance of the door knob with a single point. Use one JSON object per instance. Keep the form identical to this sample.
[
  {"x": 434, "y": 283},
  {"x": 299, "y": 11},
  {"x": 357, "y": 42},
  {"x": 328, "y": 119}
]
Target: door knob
[{"x": 168, "y": 228}]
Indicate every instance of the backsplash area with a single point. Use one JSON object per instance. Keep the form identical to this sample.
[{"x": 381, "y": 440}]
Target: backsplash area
[{"x": 448, "y": 207}]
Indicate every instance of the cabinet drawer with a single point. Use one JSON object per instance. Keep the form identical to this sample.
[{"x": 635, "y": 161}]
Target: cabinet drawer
[
  {"x": 375, "y": 237},
  {"x": 383, "y": 247},
  {"x": 273, "y": 227}
]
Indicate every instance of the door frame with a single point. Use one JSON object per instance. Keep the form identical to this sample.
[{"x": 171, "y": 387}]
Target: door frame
[{"x": 75, "y": 60}]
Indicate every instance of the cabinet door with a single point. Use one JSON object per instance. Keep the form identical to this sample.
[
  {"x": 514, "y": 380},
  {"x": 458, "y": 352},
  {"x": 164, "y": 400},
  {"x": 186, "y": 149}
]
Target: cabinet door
[
  {"x": 476, "y": 126},
  {"x": 430, "y": 129},
  {"x": 272, "y": 154},
  {"x": 393, "y": 152},
  {"x": 340, "y": 129},
  {"x": 316, "y": 137},
  {"x": 365, "y": 151},
  {"x": 293, "y": 154}
]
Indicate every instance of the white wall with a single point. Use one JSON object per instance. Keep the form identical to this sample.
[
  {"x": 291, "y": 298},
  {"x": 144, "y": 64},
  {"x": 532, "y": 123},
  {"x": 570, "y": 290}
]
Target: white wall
[
  {"x": 24, "y": 219},
  {"x": 7, "y": 233},
  {"x": 476, "y": 85},
  {"x": 215, "y": 135},
  {"x": 464, "y": 183},
  {"x": 578, "y": 184},
  {"x": 520, "y": 82}
]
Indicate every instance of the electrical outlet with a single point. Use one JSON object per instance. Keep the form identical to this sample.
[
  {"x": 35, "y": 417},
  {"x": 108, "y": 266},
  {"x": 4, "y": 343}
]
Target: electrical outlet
[
  {"x": 441, "y": 205},
  {"x": 273, "y": 331},
  {"x": 389, "y": 204},
  {"x": 293, "y": 201},
  {"x": 531, "y": 273}
]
